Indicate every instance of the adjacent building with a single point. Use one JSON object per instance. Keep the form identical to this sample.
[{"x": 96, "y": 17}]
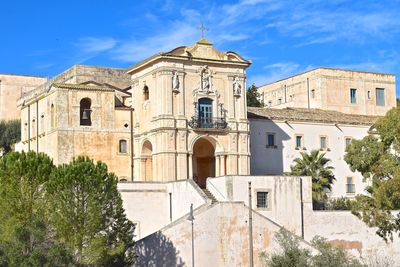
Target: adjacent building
[
  {"x": 80, "y": 112},
  {"x": 13, "y": 87},
  {"x": 347, "y": 91},
  {"x": 278, "y": 136}
]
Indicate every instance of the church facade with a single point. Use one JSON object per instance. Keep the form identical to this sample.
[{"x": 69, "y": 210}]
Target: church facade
[{"x": 190, "y": 115}]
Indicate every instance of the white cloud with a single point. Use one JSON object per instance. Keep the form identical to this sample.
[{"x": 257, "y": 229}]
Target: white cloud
[
  {"x": 317, "y": 23},
  {"x": 138, "y": 49},
  {"x": 96, "y": 44}
]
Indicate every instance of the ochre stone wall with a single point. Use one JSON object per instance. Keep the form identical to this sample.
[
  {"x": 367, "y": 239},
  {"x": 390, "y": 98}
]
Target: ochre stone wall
[
  {"x": 50, "y": 119},
  {"x": 11, "y": 88},
  {"x": 326, "y": 88}
]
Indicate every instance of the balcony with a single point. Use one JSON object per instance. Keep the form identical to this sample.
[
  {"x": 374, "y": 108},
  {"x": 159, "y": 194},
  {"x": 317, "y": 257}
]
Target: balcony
[{"x": 208, "y": 123}]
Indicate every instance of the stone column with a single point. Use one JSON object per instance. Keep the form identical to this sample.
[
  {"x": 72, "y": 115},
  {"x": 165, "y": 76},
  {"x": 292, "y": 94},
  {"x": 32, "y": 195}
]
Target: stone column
[
  {"x": 217, "y": 166},
  {"x": 223, "y": 161},
  {"x": 166, "y": 88},
  {"x": 243, "y": 96},
  {"x": 190, "y": 166},
  {"x": 182, "y": 93},
  {"x": 232, "y": 164}
]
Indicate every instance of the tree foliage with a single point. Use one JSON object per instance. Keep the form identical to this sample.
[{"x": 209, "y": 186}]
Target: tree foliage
[
  {"x": 253, "y": 97},
  {"x": 70, "y": 215},
  {"x": 316, "y": 166},
  {"x": 25, "y": 232},
  {"x": 10, "y": 133},
  {"x": 88, "y": 215},
  {"x": 293, "y": 255},
  {"x": 377, "y": 157}
]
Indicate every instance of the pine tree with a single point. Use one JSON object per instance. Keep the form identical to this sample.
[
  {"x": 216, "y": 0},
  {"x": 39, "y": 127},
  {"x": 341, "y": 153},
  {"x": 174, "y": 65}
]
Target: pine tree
[
  {"x": 26, "y": 237},
  {"x": 88, "y": 215}
]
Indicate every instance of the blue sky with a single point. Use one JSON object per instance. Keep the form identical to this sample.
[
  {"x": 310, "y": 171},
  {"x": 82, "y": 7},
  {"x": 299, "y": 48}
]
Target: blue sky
[{"x": 281, "y": 38}]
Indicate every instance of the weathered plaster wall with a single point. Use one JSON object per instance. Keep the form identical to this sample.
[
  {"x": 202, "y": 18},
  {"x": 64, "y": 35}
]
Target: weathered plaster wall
[
  {"x": 220, "y": 239},
  {"x": 221, "y": 229},
  {"x": 345, "y": 230},
  {"x": 148, "y": 204},
  {"x": 284, "y": 195}
]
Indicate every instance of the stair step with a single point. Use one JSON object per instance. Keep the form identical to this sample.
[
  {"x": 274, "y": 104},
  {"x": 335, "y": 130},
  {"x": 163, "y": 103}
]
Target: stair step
[{"x": 210, "y": 195}]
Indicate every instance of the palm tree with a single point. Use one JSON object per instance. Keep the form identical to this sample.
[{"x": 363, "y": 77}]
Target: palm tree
[{"x": 316, "y": 166}]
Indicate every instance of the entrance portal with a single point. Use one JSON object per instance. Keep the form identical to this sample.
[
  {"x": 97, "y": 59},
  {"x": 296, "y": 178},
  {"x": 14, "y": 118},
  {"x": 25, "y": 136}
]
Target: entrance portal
[{"x": 203, "y": 161}]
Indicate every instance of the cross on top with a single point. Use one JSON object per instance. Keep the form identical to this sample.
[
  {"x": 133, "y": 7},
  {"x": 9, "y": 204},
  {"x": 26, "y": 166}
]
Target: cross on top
[{"x": 203, "y": 29}]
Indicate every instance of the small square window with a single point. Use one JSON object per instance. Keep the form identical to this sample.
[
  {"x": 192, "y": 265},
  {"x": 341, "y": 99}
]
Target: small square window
[
  {"x": 299, "y": 141},
  {"x": 350, "y": 186},
  {"x": 262, "y": 200},
  {"x": 270, "y": 139},
  {"x": 279, "y": 101}
]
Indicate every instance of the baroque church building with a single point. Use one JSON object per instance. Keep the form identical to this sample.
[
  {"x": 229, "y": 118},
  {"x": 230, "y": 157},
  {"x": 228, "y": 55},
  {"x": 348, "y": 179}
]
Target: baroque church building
[{"x": 188, "y": 117}]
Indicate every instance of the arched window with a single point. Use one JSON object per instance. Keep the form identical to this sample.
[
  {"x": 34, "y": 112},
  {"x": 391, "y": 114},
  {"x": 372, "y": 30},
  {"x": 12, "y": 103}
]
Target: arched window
[
  {"x": 52, "y": 116},
  {"x": 146, "y": 94},
  {"x": 123, "y": 146},
  {"x": 205, "y": 112},
  {"x": 85, "y": 112}
]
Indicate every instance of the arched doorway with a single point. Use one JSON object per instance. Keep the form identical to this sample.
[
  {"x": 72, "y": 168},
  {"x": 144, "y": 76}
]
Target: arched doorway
[
  {"x": 147, "y": 161},
  {"x": 203, "y": 161}
]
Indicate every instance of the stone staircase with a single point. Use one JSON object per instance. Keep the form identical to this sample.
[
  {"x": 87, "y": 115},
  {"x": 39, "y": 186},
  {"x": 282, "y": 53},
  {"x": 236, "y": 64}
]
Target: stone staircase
[{"x": 210, "y": 195}]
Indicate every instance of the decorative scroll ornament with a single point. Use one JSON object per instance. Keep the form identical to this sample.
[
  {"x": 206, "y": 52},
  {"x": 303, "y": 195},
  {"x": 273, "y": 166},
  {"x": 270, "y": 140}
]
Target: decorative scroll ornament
[
  {"x": 237, "y": 87},
  {"x": 175, "y": 82}
]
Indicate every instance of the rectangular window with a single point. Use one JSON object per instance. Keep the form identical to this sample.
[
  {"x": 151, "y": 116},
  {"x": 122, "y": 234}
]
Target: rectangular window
[
  {"x": 123, "y": 146},
  {"x": 380, "y": 97},
  {"x": 262, "y": 200},
  {"x": 299, "y": 141},
  {"x": 279, "y": 101},
  {"x": 270, "y": 103},
  {"x": 369, "y": 94},
  {"x": 313, "y": 93},
  {"x": 270, "y": 139},
  {"x": 323, "y": 143},
  {"x": 347, "y": 141},
  {"x": 350, "y": 186},
  {"x": 353, "y": 97}
]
